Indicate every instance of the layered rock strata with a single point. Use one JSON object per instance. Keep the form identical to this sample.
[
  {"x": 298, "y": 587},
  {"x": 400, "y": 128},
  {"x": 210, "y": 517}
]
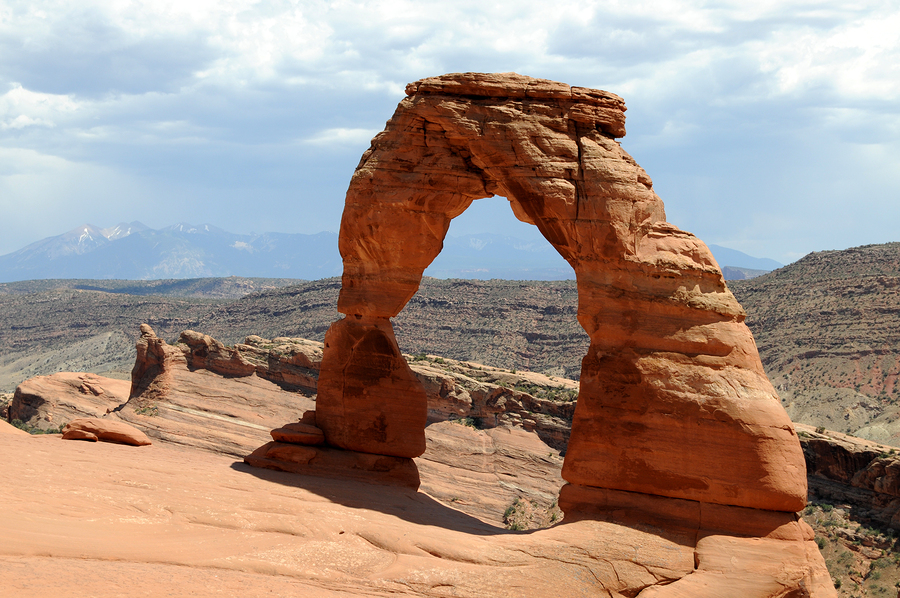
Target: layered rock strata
[
  {"x": 737, "y": 551},
  {"x": 200, "y": 393},
  {"x": 292, "y": 363},
  {"x": 48, "y": 402},
  {"x": 860, "y": 474},
  {"x": 673, "y": 399}
]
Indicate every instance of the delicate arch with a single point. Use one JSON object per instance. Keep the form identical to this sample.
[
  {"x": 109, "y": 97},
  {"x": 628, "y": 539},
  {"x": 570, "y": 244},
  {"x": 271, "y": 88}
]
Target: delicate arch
[{"x": 673, "y": 398}]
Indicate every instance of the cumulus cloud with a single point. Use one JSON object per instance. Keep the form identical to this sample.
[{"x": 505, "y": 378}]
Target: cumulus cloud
[{"x": 20, "y": 108}]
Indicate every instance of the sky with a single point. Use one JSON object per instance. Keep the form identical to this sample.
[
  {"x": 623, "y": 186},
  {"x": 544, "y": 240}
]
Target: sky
[{"x": 770, "y": 127}]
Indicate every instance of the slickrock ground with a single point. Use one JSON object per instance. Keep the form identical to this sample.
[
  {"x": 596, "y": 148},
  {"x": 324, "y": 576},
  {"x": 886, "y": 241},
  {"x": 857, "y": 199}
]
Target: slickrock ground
[
  {"x": 96, "y": 519},
  {"x": 6, "y": 428},
  {"x": 49, "y": 402},
  {"x": 508, "y": 478},
  {"x": 138, "y": 517},
  {"x": 108, "y": 520}
]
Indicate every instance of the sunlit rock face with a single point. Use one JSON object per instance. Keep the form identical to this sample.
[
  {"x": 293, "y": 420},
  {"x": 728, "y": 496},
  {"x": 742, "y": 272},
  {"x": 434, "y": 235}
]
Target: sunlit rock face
[{"x": 673, "y": 399}]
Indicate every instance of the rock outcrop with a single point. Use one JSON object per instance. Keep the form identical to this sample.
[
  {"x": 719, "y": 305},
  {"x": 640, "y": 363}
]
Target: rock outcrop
[
  {"x": 516, "y": 466},
  {"x": 292, "y": 363},
  {"x": 863, "y": 475},
  {"x": 485, "y": 396},
  {"x": 828, "y": 331},
  {"x": 49, "y": 402},
  {"x": 673, "y": 401},
  {"x": 203, "y": 394},
  {"x": 104, "y": 429},
  {"x": 492, "y": 397}
]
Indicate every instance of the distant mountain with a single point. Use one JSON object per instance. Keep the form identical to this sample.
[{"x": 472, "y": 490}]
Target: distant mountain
[
  {"x": 733, "y": 273},
  {"x": 136, "y": 252},
  {"x": 741, "y": 261},
  {"x": 123, "y": 230},
  {"x": 487, "y": 256},
  {"x": 133, "y": 251}
]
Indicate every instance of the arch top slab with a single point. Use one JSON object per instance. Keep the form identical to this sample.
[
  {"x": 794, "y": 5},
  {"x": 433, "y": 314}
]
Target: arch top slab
[
  {"x": 546, "y": 146},
  {"x": 673, "y": 400}
]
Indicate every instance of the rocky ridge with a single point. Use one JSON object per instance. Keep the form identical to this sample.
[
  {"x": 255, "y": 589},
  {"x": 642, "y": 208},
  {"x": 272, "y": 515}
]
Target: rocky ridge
[
  {"x": 828, "y": 332},
  {"x": 853, "y": 508},
  {"x": 477, "y": 395}
]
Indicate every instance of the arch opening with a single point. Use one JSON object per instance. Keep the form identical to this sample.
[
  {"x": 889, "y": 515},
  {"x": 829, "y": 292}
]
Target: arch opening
[{"x": 488, "y": 242}]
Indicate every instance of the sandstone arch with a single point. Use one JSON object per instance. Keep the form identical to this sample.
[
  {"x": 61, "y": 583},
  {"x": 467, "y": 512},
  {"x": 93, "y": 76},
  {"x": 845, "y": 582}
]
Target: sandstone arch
[{"x": 674, "y": 401}]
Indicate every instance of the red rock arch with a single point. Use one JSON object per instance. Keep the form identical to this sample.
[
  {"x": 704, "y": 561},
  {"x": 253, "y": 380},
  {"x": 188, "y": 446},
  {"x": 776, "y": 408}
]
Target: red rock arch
[{"x": 673, "y": 401}]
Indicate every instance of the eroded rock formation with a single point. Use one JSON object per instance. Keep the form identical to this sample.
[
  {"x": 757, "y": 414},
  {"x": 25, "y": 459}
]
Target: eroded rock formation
[
  {"x": 673, "y": 398},
  {"x": 96, "y": 429},
  {"x": 861, "y": 474},
  {"x": 202, "y": 394},
  {"x": 48, "y": 402}
]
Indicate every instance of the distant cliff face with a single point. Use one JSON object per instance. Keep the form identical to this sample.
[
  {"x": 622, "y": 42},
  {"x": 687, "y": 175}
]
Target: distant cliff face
[{"x": 828, "y": 332}]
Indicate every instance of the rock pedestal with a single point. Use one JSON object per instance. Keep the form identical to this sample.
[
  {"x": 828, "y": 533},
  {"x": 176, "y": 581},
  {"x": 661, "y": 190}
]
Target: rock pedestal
[
  {"x": 374, "y": 403},
  {"x": 297, "y": 448}
]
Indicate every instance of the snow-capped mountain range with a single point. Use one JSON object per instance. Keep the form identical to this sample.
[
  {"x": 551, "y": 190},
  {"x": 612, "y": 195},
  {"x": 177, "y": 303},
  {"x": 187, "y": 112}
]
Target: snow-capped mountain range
[{"x": 134, "y": 251}]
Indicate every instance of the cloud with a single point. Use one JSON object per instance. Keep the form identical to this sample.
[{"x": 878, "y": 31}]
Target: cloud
[
  {"x": 342, "y": 136},
  {"x": 43, "y": 195},
  {"x": 94, "y": 50},
  {"x": 748, "y": 116},
  {"x": 20, "y": 108}
]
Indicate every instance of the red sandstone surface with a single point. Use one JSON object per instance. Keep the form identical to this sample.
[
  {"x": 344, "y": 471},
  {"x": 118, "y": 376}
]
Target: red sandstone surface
[
  {"x": 184, "y": 511},
  {"x": 104, "y": 520},
  {"x": 97, "y": 429}
]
